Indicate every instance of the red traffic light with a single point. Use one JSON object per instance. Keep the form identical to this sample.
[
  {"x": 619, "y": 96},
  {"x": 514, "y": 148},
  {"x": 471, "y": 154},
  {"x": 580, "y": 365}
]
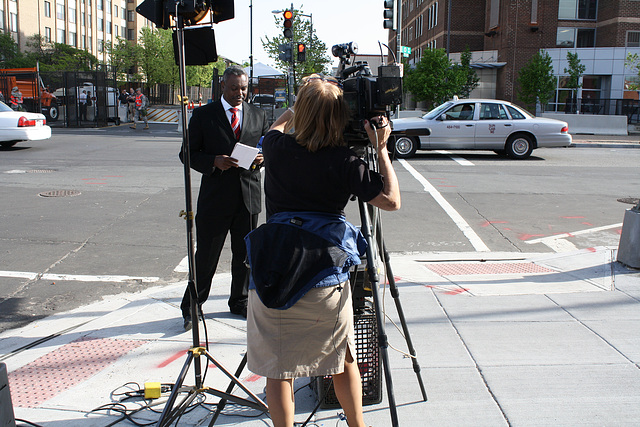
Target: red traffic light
[
  {"x": 288, "y": 24},
  {"x": 302, "y": 52}
]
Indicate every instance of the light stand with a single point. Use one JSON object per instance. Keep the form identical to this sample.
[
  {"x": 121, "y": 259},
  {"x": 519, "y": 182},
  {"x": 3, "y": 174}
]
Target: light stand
[{"x": 171, "y": 413}]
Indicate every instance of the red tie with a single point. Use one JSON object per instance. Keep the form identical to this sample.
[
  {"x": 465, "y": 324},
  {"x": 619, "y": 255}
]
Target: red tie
[{"x": 235, "y": 122}]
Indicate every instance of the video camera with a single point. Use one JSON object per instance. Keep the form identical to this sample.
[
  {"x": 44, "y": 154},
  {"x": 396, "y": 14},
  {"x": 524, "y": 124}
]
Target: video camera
[{"x": 366, "y": 95}]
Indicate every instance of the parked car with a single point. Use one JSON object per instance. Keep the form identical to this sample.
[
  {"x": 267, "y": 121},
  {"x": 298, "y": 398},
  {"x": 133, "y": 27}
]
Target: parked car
[
  {"x": 480, "y": 124},
  {"x": 16, "y": 126}
]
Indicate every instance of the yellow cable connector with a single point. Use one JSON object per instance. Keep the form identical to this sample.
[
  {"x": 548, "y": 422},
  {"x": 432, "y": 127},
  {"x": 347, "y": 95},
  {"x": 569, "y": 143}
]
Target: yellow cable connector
[{"x": 152, "y": 390}]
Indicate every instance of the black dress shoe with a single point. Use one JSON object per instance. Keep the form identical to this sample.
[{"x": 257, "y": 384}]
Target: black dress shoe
[
  {"x": 187, "y": 323},
  {"x": 240, "y": 310}
]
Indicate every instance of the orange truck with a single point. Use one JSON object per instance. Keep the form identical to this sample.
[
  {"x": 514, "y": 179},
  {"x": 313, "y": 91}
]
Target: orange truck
[{"x": 35, "y": 95}]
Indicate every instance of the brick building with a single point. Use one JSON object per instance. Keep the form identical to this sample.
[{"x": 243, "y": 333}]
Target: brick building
[
  {"x": 85, "y": 24},
  {"x": 504, "y": 34}
]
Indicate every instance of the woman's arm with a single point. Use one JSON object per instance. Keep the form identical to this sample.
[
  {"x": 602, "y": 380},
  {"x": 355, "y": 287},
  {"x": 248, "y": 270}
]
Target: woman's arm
[{"x": 389, "y": 197}]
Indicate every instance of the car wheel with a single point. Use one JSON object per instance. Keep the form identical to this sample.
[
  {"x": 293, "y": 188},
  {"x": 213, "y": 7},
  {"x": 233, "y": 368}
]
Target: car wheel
[
  {"x": 519, "y": 146},
  {"x": 406, "y": 147},
  {"x": 54, "y": 113},
  {"x": 500, "y": 152}
]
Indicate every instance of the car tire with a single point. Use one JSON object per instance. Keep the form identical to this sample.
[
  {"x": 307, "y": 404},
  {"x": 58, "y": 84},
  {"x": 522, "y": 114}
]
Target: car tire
[
  {"x": 53, "y": 113},
  {"x": 500, "y": 152},
  {"x": 406, "y": 146},
  {"x": 519, "y": 146}
]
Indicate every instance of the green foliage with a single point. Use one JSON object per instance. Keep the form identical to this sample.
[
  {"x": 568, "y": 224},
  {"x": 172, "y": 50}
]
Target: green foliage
[
  {"x": 436, "y": 79},
  {"x": 632, "y": 61},
  {"x": 59, "y": 56},
  {"x": 10, "y": 55},
  {"x": 537, "y": 82},
  {"x": 124, "y": 55},
  {"x": 316, "y": 59},
  {"x": 157, "y": 61},
  {"x": 575, "y": 71},
  {"x": 471, "y": 78}
]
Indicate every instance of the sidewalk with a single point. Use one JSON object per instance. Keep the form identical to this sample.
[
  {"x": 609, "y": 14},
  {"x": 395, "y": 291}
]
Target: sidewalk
[
  {"x": 510, "y": 339},
  {"x": 610, "y": 141}
]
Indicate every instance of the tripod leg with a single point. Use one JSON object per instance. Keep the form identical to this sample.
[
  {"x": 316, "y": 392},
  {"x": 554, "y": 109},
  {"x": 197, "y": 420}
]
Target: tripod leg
[
  {"x": 382, "y": 337},
  {"x": 396, "y": 298},
  {"x": 232, "y": 384},
  {"x": 166, "y": 417}
]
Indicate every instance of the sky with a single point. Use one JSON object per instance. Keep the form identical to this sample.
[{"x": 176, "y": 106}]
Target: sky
[{"x": 334, "y": 22}]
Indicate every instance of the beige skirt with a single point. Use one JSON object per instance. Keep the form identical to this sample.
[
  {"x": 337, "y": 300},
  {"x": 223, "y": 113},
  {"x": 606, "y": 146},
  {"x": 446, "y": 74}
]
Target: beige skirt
[{"x": 309, "y": 339}]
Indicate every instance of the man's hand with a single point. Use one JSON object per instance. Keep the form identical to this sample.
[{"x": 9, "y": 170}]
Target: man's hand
[
  {"x": 258, "y": 160},
  {"x": 224, "y": 162}
]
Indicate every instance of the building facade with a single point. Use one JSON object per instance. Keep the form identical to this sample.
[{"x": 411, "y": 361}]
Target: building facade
[
  {"x": 503, "y": 35},
  {"x": 85, "y": 24}
]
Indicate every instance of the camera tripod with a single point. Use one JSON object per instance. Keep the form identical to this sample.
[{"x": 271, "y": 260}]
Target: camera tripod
[
  {"x": 374, "y": 237},
  {"x": 173, "y": 412}
]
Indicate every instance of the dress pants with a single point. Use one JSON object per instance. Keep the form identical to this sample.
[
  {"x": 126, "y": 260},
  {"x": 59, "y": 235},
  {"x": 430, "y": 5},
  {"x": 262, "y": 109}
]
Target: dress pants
[{"x": 211, "y": 233}]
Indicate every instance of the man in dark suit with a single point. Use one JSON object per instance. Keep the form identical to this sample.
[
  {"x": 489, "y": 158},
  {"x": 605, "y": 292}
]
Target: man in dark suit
[{"x": 229, "y": 200}]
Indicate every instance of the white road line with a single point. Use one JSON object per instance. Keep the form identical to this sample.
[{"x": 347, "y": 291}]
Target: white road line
[
  {"x": 78, "y": 277},
  {"x": 461, "y": 161},
  {"x": 558, "y": 243},
  {"x": 474, "y": 239}
]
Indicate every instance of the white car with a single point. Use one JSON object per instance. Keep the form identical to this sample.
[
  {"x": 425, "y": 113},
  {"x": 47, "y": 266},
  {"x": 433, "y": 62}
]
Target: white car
[
  {"x": 16, "y": 126},
  {"x": 479, "y": 124}
]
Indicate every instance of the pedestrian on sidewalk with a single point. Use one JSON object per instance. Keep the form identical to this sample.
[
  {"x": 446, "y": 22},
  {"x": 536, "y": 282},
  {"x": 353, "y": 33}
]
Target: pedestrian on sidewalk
[
  {"x": 230, "y": 197},
  {"x": 300, "y": 314},
  {"x": 83, "y": 105},
  {"x": 141, "y": 103},
  {"x": 131, "y": 100}
]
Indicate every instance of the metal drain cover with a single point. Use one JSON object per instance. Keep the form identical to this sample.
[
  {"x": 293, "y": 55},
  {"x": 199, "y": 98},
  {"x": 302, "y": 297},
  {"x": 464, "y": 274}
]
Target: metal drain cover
[
  {"x": 59, "y": 193},
  {"x": 629, "y": 200}
]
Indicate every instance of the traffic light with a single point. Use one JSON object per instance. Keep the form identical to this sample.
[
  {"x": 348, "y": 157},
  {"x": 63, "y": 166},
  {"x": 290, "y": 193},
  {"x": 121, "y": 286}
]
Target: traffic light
[
  {"x": 286, "y": 53},
  {"x": 288, "y": 24},
  {"x": 302, "y": 52},
  {"x": 389, "y": 15}
]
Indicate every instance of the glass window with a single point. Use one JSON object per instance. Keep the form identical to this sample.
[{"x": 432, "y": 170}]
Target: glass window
[
  {"x": 13, "y": 22},
  {"x": 586, "y": 37},
  {"x": 633, "y": 39},
  {"x": 72, "y": 39},
  {"x": 565, "y": 37},
  {"x": 72, "y": 15},
  {"x": 577, "y": 9},
  {"x": 460, "y": 112},
  {"x": 587, "y": 9},
  {"x": 61, "y": 36},
  {"x": 47, "y": 34},
  {"x": 59, "y": 12},
  {"x": 492, "y": 111},
  {"x": 515, "y": 114},
  {"x": 47, "y": 9},
  {"x": 131, "y": 35}
]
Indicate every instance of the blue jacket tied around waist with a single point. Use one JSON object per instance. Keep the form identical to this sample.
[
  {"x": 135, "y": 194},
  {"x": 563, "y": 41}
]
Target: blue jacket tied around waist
[{"x": 296, "y": 251}]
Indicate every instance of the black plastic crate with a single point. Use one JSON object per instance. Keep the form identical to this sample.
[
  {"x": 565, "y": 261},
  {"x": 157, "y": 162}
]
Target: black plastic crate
[{"x": 368, "y": 356}]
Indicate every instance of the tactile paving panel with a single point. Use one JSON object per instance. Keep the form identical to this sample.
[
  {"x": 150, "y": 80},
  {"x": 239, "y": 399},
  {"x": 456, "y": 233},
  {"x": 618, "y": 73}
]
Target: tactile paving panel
[
  {"x": 461, "y": 268},
  {"x": 63, "y": 368}
]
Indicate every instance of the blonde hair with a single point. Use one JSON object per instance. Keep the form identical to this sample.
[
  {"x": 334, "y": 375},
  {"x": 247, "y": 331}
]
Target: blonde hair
[{"x": 321, "y": 114}]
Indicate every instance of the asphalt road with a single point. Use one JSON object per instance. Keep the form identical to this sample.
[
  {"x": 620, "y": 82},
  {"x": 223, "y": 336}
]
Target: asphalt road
[{"x": 93, "y": 212}]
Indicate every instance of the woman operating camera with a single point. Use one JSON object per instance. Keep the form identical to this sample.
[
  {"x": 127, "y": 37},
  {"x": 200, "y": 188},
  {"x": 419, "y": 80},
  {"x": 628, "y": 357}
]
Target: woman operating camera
[{"x": 300, "y": 316}]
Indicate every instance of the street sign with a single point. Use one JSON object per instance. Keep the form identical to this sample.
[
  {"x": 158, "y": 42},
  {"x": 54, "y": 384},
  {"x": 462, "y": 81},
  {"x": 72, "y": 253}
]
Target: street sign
[
  {"x": 281, "y": 94},
  {"x": 405, "y": 50}
]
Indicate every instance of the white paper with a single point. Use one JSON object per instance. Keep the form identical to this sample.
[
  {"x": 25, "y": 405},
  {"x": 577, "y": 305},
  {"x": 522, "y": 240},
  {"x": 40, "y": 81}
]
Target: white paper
[{"x": 245, "y": 155}]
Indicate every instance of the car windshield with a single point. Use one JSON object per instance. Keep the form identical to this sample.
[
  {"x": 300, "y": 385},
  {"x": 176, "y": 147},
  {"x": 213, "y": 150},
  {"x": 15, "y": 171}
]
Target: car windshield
[
  {"x": 436, "y": 111},
  {"x": 4, "y": 107}
]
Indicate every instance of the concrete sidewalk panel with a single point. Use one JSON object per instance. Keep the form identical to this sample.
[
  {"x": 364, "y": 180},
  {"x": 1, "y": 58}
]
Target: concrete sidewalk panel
[
  {"x": 535, "y": 343},
  {"x": 621, "y": 334},
  {"x": 566, "y": 395}
]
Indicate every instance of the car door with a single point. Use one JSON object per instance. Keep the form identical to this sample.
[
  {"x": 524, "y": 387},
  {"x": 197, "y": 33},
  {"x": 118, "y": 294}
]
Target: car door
[
  {"x": 493, "y": 127},
  {"x": 454, "y": 128}
]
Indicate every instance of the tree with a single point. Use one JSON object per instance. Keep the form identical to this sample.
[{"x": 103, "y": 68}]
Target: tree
[
  {"x": 10, "y": 55},
  {"x": 632, "y": 61},
  {"x": 124, "y": 57},
  {"x": 471, "y": 78},
  {"x": 575, "y": 71},
  {"x": 59, "y": 56},
  {"x": 537, "y": 82},
  {"x": 316, "y": 61},
  {"x": 435, "y": 78}
]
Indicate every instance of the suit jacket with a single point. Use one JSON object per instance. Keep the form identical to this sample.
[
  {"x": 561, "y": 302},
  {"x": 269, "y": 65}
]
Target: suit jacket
[{"x": 210, "y": 135}]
